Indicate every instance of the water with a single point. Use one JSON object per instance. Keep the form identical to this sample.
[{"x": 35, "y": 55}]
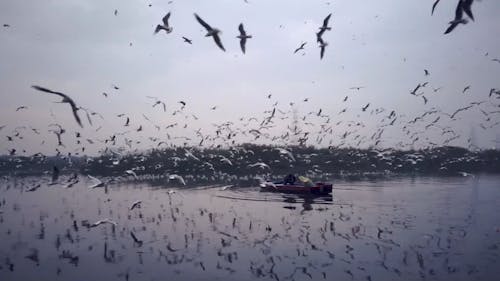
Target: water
[{"x": 399, "y": 229}]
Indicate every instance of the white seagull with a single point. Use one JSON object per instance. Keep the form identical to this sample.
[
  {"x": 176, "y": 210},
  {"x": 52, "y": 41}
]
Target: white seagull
[
  {"x": 97, "y": 182},
  {"x": 99, "y": 222},
  {"x": 177, "y": 178},
  {"x": 165, "y": 25}
]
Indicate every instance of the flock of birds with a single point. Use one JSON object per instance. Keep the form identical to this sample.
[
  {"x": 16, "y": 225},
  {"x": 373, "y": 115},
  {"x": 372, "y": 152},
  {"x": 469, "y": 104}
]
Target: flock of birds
[
  {"x": 225, "y": 237},
  {"x": 243, "y": 36},
  {"x": 431, "y": 128}
]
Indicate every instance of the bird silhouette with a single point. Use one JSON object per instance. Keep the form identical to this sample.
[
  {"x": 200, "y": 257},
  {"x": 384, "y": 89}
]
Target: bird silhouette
[
  {"x": 66, "y": 99},
  {"x": 214, "y": 32}
]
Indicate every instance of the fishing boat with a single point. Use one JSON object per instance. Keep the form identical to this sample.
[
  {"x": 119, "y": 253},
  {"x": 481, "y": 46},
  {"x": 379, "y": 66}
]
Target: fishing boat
[{"x": 313, "y": 188}]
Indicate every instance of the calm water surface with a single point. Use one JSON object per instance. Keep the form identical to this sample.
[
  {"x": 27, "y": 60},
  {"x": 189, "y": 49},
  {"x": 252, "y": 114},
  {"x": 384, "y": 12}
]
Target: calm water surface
[{"x": 399, "y": 229}]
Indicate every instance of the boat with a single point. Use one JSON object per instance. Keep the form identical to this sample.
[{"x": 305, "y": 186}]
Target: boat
[{"x": 313, "y": 188}]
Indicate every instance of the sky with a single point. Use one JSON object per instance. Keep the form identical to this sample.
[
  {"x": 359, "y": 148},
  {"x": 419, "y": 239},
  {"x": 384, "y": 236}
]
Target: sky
[{"x": 81, "y": 48}]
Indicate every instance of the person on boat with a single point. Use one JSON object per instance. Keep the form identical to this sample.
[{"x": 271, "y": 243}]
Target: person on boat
[{"x": 290, "y": 179}]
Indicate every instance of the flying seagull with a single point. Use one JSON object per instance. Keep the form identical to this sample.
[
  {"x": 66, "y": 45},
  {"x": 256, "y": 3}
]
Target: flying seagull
[
  {"x": 97, "y": 182},
  {"x": 175, "y": 177},
  {"x": 99, "y": 222},
  {"x": 131, "y": 173},
  {"x": 165, "y": 25},
  {"x": 214, "y": 32},
  {"x": 66, "y": 99},
  {"x": 300, "y": 48},
  {"x": 243, "y": 37},
  {"x": 458, "y": 18},
  {"x": 136, "y": 204},
  {"x": 187, "y": 40}
]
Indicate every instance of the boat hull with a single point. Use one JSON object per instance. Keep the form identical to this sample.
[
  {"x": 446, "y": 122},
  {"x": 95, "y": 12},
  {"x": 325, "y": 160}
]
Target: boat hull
[{"x": 318, "y": 188}]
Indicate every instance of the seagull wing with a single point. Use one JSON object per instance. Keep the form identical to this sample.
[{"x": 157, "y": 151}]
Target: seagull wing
[
  {"x": 434, "y": 6},
  {"x": 243, "y": 41},
  {"x": 218, "y": 41},
  {"x": 322, "y": 53},
  {"x": 165, "y": 19},
  {"x": 202, "y": 22},
  {"x": 75, "y": 113},
  {"x": 242, "y": 30},
  {"x": 459, "y": 11},
  {"x": 158, "y": 28},
  {"x": 325, "y": 21},
  {"x": 450, "y": 28},
  {"x": 466, "y": 7}
]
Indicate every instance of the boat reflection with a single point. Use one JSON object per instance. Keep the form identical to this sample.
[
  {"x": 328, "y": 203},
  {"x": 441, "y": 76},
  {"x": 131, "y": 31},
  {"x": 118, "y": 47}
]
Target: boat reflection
[{"x": 307, "y": 200}]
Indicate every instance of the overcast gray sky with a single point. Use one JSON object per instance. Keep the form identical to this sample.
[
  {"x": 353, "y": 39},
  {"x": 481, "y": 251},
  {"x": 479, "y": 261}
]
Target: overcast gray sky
[{"x": 81, "y": 48}]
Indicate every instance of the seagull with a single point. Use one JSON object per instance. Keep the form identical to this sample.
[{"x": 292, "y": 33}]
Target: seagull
[
  {"x": 98, "y": 183},
  {"x": 458, "y": 18},
  {"x": 136, "y": 204},
  {"x": 466, "y": 89},
  {"x": 283, "y": 151},
  {"x": 211, "y": 32},
  {"x": 260, "y": 165},
  {"x": 187, "y": 40},
  {"x": 165, "y": 25},
  {"x": 66, "y": 99},
  {"x": 177, "y": 178},
  {"x": 365, "y": 107},
  {"x": 99, "y": 222},
  {"x": 139, "y": 242},
  {"x": 132, "y": 173},
  {"x": 414, "y": 92},
  {"x": 300, "y": 48},
  {"x": 356, "y": 88},
  {"x": 426, "y": 72},
  {"x": 21, "y": 107},
  {"x": 157, "y": 102},
  {"x": 243, "y": 37},
  {"x": 31, "y": 189}
]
